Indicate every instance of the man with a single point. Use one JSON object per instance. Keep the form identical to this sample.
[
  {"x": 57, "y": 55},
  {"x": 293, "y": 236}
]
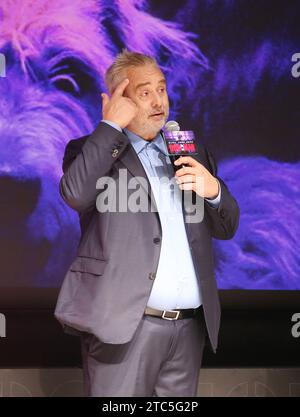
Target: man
[{"x": 141, "y": 292}]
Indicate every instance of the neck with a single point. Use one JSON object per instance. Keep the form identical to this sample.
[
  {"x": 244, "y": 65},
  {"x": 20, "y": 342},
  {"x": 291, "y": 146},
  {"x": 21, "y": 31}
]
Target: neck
[{"x": 142, "y": 135}]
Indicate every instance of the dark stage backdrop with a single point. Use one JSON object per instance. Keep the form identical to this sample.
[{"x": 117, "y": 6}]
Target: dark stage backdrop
[{"x": 233, "y": 73}]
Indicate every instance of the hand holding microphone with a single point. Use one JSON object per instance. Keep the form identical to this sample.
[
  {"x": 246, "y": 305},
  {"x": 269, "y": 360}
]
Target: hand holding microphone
[{"x": 180, "y": 145}]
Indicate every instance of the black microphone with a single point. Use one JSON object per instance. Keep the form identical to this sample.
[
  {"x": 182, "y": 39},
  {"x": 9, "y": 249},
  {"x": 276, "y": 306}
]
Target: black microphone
[{"x": 178, "y": 142}]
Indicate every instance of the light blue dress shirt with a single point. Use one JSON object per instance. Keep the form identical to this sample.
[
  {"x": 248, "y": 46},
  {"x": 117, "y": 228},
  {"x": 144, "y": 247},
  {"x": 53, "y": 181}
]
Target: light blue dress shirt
[{"x": 176, "y": 285}]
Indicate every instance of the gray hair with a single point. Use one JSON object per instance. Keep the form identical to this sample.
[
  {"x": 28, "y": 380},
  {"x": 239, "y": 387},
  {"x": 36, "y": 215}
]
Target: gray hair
[{"x": 123, "y": 61}]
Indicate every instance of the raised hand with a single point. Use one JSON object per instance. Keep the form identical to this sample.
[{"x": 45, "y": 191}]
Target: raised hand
[
  {"x": 118, "y": 109},
  {"x": 194, "y": 176}
]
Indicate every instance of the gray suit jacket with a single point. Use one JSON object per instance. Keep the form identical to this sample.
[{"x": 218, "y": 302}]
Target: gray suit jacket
[{"x": 106, "y": 288}]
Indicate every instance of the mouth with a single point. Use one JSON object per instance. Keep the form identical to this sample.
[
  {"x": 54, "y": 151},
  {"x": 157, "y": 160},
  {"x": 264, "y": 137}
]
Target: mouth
[{"x": 158, "y": 115}]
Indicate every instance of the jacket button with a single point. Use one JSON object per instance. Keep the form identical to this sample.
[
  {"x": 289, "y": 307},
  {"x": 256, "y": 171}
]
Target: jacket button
[
  {"x": 222, "y": 213},
  {"x": 152, "y": 275},
  {"x": 156, "y": 240},
  {"x": 115, "y": 153}
]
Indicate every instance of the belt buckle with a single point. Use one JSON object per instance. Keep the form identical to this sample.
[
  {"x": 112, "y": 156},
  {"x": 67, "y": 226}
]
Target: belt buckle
[{"x": 170, "y": 318}]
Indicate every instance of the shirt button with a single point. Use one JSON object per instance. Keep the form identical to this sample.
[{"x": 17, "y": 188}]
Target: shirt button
[
  {"x": 156, "y": 240},
  {"x": 152, "y": 275}
]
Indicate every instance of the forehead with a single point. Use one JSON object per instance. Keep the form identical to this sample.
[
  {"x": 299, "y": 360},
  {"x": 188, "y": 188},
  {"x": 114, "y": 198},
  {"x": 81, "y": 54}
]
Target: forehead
[{"x": 144, "y": 74}]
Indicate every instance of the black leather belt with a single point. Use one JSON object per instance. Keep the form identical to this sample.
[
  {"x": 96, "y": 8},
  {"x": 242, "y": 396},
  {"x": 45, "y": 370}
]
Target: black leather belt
[{"x": 173, "y": 314}]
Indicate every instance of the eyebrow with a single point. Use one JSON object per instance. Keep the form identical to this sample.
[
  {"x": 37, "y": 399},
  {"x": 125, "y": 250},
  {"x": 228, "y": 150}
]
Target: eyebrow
[{"x": 162, "y": 81}]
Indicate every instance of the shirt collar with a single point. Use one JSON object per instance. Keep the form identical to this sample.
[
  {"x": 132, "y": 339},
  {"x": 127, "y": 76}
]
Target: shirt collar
[{"x": 139, "y": 143}]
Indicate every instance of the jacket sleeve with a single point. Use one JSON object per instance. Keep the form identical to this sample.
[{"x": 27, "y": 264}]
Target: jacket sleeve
[
  {"x": 84, "y": 166},
  {"x": 223, "y": 220}
]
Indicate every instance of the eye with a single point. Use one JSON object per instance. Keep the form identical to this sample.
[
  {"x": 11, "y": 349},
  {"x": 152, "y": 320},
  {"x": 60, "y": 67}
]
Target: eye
[
  {"x": 71, "y": 76},
  {"x": 145, "y": 93},
  {"x": 162, "y": 90}
]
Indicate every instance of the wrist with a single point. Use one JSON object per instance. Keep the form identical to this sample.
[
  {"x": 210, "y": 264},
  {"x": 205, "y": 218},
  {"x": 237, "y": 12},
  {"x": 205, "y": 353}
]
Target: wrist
[
  {"x": 112, "y": 123},
  {"x": 215, "y": 190}
]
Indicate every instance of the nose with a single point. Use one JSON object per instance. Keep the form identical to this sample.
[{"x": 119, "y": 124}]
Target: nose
[
  {"x": 157, "y": 100},
  {"x": 18, "y": 198}
]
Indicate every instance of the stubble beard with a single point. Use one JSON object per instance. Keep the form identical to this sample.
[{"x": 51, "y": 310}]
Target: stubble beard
[{"x": 149, "y": 129}]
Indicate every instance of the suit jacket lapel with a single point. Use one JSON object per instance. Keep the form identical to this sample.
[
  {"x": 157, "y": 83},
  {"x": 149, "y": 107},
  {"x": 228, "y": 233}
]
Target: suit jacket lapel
[{"x": 131, "y": 161}]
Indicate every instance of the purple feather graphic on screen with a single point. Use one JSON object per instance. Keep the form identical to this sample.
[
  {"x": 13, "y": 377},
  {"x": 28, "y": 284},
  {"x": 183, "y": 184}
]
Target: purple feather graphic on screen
[
  {"x": 264, "y": 254},
  {"x": 57, "y": 53}
]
